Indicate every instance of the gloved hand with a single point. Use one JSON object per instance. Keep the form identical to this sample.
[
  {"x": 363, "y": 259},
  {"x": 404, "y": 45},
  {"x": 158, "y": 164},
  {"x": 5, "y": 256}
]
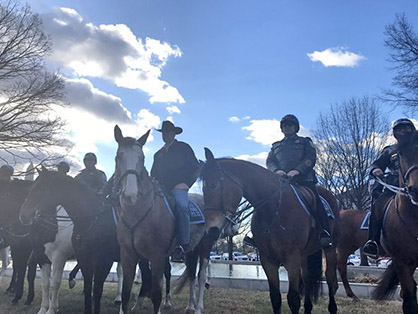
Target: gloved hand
[
  {"x": 377, "y": 172},
  {"x": 281, "y": 173},
  {"x": 293, "y": 173}
]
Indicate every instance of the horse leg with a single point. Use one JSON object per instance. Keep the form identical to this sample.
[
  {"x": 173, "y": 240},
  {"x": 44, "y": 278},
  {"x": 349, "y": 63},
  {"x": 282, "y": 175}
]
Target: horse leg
[
  {"x": 128, "y": 266},
  {"x": 31, "y": 281},
  {"x": 342, "y": 269},
  {"x": 12, "y": 284},
  {"x": 209, "y": 276},
  {"x": 45, "y": 274},
  {"x": 157, "y": 270},
  {"x": 203, "y": 265},
  {"x": 271, "y": 269},
  {"x": 405, "y": 274},
  {"x": 58, "y": 267},
  {"x": 119, "y": 272},
  {"x": 145, "y": 290},
  {"x": 100, "y": 274},
  {"x": 331, "y": 277},
  {"x": 167, "y": 275},
  {"x": 293, "y": 265},
  {"x": 138, "y": 277},
  {"x": 71, "y": 277},
  {"x": 21, "y": 264},
  {"x": 87, "y": 271}
]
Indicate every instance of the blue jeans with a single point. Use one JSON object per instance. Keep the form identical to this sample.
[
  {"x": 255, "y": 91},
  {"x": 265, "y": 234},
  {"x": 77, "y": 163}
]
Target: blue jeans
[{"x": 182, "y": 216}]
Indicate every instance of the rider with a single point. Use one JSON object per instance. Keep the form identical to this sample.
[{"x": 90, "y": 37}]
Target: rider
[
  {"x": 6, "y": 172},
  {"x": 175, "y": 168},
  {"x": 63, "y": 167},
  {"x": 91, "y": 176},
  {"x": 388, "y": 159},
  {"x": 294, "y": 157}
]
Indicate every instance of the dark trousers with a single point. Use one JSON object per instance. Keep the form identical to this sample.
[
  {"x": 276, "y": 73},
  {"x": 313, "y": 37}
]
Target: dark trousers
[
  {"x": 320, "y": 214},
  {"x": 377, "y": 214}
]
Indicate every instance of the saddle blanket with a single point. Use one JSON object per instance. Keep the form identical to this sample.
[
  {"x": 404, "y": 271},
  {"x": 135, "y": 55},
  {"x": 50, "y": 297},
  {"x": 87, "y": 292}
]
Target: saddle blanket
[
  {"x": 196, "y": 215},
  {"x": 366, "y": 221},
  {"x": 305, "y": 206}
]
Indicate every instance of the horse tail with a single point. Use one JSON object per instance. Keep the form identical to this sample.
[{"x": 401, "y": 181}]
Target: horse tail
[
  {"x": 314, "y": 275},
  {"x": 387, "y": 284},
  {"x": 189, "y": 273}
]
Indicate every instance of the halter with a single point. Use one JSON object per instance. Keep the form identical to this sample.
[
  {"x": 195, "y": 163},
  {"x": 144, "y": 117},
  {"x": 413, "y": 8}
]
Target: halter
[{"x": 118, "y": 186}]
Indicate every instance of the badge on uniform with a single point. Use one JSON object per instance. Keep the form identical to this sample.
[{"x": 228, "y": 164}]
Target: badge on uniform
[{"x": 308, "y": 163}]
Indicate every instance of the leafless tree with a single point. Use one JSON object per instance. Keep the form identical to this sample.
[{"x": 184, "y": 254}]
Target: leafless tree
[
  {"x": 349, "y": 137},
  {"x": 28, "y": 90},
  {"x": 403, "y": 44}
]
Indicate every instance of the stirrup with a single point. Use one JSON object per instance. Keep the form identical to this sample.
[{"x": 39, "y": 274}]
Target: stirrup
[
  {"x": 249, "y": 241},
  {"x": 178, "y": 255},
  {"x": 325, "y": 239},
  {"x": 371, "y": 249}
]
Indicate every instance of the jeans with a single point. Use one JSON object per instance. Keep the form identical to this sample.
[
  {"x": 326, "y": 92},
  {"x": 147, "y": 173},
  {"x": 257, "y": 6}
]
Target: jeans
[{"x": 182, "y": 216}]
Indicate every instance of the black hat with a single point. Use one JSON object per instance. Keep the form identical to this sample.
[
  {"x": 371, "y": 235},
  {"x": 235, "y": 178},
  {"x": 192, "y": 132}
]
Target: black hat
[
  {"x": 403, "y": 121},
  {"x": 169, "y": 126},
  {"x": 91, "y": 156},
  {"x": 291, "y": 119}
]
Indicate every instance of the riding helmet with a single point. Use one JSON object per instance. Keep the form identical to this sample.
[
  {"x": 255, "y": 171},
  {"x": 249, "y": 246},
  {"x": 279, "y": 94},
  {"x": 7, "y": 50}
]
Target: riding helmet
[
  {"x": 403, "y": 121},
  {"x": 290, "y": 119},
  {"x": 7, "y": 170},
  {"x": 65, "y": 166},
  {"x": 91, "y": 156}
]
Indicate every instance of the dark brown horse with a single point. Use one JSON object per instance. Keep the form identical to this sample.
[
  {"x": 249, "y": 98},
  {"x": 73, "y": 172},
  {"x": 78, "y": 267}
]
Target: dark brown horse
[
  {"x": 94, "y": 236},
  {"x": 13, "y": 233},
  {"x": 281, "y": 227},
  {"x": 400, "y": 235},
  {"x": 351, "y": 238},
  {"x": 146, "y": 227}
]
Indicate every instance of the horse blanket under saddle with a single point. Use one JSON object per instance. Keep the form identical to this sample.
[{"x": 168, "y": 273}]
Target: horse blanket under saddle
[
  {"x": 366, "y": 221},
  {"x": 196, "y": 215},
  {"x": 305, "y": 204}
]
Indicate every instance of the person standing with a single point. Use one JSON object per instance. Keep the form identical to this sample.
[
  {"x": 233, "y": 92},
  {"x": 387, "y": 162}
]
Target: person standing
[
  {"x": 295, "y": 157},
  {"x": 175, "y": 167}
]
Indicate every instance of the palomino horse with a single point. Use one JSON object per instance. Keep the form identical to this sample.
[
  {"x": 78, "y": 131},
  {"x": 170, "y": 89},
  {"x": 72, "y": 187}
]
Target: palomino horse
[
  {"x": 13, "y": 233},
  {"x": 94, "y": 236},
  {"x": 400, "y": 236},
  {"x": 281, "y": 227},
  {"x": 146, "y": 228},
  {"x": 351, "y": 238}
]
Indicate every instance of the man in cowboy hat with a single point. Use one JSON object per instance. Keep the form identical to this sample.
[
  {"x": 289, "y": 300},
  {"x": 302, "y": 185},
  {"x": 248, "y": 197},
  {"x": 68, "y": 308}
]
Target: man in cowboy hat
[
  {"x": 175, "y": 168},
  {"x": 91, "y": 176},
  {"x": 388, "y": 159}
]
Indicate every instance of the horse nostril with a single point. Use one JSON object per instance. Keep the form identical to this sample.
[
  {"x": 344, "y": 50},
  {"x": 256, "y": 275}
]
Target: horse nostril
[{"x": 214, "y": 233}]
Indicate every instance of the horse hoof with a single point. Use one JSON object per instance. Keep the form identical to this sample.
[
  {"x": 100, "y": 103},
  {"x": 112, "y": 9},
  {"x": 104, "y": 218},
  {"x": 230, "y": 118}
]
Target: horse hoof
[
  {"x": 28, "y": 302},
  {"x": 118, "y": 303},
  {"x": 167, "y": 306},
  {"x": 71, "y": 284},
  {"x": 356, "y": 300},
  {"x": 207, "y": 285},
  {"x": 189, "y": 311},
  {"x": 15, "y": 302},
  {"x": 136, "y": 282}
]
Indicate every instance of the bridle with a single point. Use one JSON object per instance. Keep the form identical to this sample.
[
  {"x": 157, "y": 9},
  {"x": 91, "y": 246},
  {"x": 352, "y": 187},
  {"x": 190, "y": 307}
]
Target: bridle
[{"x": 396, "y": 189}]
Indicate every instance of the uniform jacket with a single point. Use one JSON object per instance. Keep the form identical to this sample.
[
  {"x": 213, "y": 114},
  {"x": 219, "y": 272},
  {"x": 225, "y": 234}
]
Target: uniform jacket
[
  {"x": 388, "y": 159},
  {"x": 93, "y": 178},
  {"x": 177, "y": 164},
  {"x": 293, "y": 153}
]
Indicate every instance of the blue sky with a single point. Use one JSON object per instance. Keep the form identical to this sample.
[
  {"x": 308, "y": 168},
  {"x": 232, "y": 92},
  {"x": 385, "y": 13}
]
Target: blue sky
[{"x": 220, "y": 59}]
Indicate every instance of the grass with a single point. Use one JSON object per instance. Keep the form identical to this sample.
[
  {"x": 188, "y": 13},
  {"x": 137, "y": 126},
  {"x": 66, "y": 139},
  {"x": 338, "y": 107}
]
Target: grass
[{"x": 217, "y": 300}]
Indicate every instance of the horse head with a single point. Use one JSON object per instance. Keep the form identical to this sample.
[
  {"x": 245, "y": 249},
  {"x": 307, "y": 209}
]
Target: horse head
[
  {"x": 408, "y": 152},
  {"x": 42, "y": 197},
  {"x": 222, "y": 195},
  {"x": 129, "y": 166}
]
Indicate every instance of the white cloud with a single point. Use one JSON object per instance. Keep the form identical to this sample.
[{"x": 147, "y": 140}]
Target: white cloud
[
  {"x": 236, "y": 119},
  {"x": 173, "y": 109},
  {"x": 112, "y": 52},
  {"x": 336, "y": 57},
  {"x": 267, "y": 131},
  {"x": 259, "y": 158}
]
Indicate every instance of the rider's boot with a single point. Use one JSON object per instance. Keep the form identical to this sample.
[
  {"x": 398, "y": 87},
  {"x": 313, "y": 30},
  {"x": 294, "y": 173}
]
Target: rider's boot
[
  {"x": 325, "y": 240},
  {"x": 179, "y": 253},
  {"x": 371, "y": 248},
  {"x": 249, "y": 241}
]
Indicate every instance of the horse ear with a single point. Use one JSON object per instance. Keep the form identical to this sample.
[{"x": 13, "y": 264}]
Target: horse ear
[
  {"x": 209, "y": 155},
  {"x": 44, "y": 169},
  {"x": 143, "y": 139},
  {"x": 118, "y": 134}
]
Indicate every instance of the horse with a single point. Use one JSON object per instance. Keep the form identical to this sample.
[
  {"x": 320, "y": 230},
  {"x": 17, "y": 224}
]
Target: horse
[
  {"x": 352, "y": 237},
  {"x": 94, "y": 236},
  {"x": 399, "y": 236},
  {"x": 15, "y": 235},
  {"x": 281, "y": 226},
  {"x": 146, "y": 228}
]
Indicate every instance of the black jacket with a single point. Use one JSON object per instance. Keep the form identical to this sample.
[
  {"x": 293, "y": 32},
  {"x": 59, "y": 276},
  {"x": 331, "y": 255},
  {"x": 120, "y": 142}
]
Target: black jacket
[
  {"x": 293, "y": 153},
  {"x": 93, "y": 178},
  {"x": 176, "y": 165},
  {"x": 388, "y": 159}
]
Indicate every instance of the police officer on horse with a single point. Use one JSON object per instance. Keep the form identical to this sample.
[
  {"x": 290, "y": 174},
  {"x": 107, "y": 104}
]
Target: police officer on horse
[
  {"x": 91, "y": 176},
  {"x": 294, "y": 157},
  {"x": 388, "y": 159}
]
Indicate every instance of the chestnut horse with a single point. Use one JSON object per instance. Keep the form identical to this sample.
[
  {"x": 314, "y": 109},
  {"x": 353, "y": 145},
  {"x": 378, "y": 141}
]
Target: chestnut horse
[
  {"x": 146, "y": 227},
  {"x": 281, "y": 227},
  {"x": 94, "y": 236},
  {"x": 351, "y": 238},
  {"x": 400, "y": 236}
]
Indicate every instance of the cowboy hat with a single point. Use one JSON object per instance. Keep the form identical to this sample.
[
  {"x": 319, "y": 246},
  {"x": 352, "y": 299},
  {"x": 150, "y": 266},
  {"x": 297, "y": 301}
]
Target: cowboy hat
[{"x": 168, "y": 126}]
